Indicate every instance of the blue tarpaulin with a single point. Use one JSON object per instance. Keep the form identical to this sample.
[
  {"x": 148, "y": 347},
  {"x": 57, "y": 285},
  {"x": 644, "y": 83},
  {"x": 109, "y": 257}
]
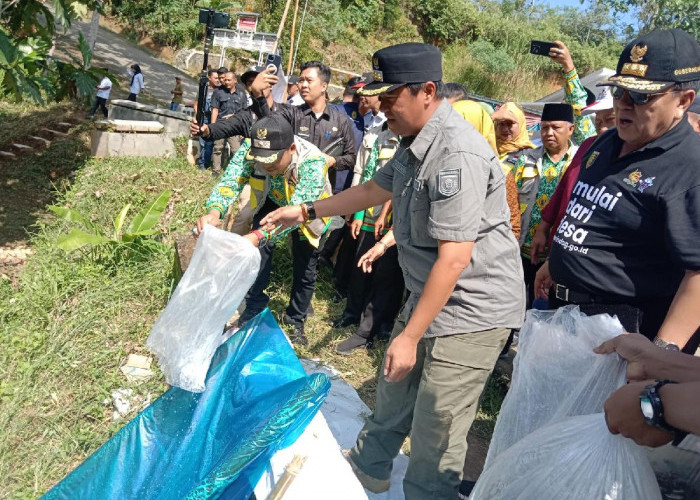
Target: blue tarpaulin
[{"x": 214, "y": 444}]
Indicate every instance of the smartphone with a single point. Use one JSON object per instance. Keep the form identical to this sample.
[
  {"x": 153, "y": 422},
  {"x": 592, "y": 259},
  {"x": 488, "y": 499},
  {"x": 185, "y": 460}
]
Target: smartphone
[
  {"x": 274, "y": 60},
  {"x": 541, "y": 48}
]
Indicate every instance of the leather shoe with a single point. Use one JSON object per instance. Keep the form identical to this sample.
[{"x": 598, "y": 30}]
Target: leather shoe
[
  {"x": 297, "y": 336},
  {"x": 352, "y": 343}
]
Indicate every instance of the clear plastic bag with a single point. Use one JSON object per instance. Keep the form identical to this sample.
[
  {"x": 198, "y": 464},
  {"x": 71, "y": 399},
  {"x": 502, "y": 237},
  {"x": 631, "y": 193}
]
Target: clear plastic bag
[
  {"x": 550, "y": 439},
  {"x": 556, "y": 373},
  {"x": 222, "y": 270},
  {"x": 577, "y": 458}
]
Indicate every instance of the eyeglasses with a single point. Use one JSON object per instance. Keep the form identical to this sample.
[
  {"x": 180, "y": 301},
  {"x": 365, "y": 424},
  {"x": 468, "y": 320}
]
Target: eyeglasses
[{"x": 636, "y": 97}]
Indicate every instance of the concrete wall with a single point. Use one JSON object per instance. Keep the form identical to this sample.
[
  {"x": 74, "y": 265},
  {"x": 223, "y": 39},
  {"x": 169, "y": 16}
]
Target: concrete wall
[
  {"x": 176, "y": 124},
  {"x": 105, "y": 144}
]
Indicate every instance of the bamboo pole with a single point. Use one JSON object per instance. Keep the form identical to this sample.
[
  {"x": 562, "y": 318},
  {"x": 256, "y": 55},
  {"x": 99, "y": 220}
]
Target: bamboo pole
[
  {"x": 279, "y": 31},
  {"x": 291, "y": 43}
]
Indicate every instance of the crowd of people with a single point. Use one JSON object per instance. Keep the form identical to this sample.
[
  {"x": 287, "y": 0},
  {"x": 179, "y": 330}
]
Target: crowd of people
[{"x": 455, "y": 222}]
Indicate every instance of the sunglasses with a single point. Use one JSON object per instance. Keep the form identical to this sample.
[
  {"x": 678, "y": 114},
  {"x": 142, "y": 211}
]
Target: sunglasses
[{"x": 636, "y": 97}]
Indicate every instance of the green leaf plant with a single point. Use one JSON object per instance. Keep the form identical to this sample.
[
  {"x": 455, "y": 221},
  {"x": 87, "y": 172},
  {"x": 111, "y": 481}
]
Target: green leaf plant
[{"x": 136, "y": 242}]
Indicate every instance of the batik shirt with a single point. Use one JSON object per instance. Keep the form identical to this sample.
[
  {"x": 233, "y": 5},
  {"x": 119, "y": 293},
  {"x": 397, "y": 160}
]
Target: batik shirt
[
  {"x": 549, "y": 172},
  {"x": 304, "y": 180},
  {"x": 576, "y": 95},
  {"x": 369, "y": 216}
]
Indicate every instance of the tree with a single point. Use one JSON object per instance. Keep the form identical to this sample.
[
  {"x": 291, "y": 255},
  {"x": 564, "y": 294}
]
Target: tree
[
  {"x": 27, "y": 34},
  {"x": 658, "y": 14}
]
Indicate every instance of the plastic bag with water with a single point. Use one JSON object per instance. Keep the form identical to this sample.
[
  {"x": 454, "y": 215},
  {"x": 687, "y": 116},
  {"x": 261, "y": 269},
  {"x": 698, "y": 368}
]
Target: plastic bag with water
[
  {"x": 214, "y": 444},
  {"x": 222, "y": 270},
  {"x": 550, "y": 435}
]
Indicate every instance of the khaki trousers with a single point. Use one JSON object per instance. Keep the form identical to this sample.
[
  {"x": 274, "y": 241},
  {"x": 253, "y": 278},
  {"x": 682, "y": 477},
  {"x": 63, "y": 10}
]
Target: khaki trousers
[
  {"x": 218, "y": 158},
  {"x": 243, "y": 219},
  {"x": 436, "y": 403}
]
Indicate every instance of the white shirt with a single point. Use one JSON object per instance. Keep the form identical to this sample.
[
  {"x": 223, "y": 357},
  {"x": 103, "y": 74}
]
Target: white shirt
[
  {"x": 137, "y": 85},
  {"x": 295, "y": 100},
  {"x": 372, "y": 120},
  {"x": 106, "y": 82}
]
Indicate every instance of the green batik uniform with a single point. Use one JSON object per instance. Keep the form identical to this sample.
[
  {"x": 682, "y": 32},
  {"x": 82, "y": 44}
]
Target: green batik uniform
[
  {"x": 304, "y": 180},
  {"x": 537, "y": 176},
  {"x": 575, "y": 94},
  {"x": 382, "y": 151}
]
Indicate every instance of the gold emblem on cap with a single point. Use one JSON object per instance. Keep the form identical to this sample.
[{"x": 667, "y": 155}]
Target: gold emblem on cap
[
  {"x": 262, "y": 133},
  {"x": 638, "y": 52},
  {"x": 375, "y": 62}
]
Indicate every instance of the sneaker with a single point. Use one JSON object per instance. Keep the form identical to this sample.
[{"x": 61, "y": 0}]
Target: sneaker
[
  {"x": 465, "y": 489},
  {"x": 352, "y": 343},
  {"x": 368, "y": 482}
]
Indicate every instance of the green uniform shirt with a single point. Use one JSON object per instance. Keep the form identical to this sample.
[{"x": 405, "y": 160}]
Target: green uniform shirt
[
  {"x": 576, "y": 95},
  {"x": 549, "y": 172},
  {"x": 304, "y": 180}
]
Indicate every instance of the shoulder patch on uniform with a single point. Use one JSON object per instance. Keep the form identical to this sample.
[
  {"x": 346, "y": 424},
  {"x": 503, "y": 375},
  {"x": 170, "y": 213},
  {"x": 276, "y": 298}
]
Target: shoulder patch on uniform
[{"x": 449, "y": 182}]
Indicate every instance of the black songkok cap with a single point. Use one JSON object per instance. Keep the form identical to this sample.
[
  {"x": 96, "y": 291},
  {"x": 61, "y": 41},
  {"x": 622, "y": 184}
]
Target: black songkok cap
[
  {"x": 555, "y": 112},
  {"x": 399, "y": 65}
]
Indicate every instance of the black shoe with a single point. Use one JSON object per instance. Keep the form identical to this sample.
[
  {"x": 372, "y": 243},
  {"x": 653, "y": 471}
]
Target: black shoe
[
  {"x": 344, "y": 321},
  {"x": 352, "y": 343},
  {"x": 384, "y": 336},
  {"x": 465, "y": 489},
  {"x": 297, "y": 337}
]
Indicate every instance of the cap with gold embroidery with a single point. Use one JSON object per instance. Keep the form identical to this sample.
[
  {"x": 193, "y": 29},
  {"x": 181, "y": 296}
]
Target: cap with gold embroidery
[
  {"x": 399, "y": 65},
  {"x": 657, "y": 60},
  {"x": 269, "y": 137}
]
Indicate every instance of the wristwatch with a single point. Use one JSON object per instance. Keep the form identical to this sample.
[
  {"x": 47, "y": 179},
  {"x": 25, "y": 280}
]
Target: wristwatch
[
  {"x": 669, "y": 346},
  {"x": 652, "y": 407},
  {"x": 308, "y": 211}
]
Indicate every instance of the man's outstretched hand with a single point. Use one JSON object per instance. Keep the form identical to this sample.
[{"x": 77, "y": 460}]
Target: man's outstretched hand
[{"x": 285, "y": 217}]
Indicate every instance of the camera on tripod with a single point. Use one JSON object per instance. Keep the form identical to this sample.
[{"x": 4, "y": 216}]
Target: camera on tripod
[{"x": 218, "y": 19}]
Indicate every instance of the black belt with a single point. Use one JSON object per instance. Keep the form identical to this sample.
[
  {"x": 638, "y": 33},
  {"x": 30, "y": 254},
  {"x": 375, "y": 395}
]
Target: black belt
[{"x": 566, "y": 294}]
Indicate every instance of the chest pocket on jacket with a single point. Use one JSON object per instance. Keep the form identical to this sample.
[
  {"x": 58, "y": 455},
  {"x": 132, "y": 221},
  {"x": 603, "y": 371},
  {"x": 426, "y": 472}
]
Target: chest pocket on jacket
[{"x": 419, "y": 214}]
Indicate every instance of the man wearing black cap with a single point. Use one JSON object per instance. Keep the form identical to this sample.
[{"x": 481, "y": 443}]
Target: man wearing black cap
[
  {"x": 537, "y": 173},
  {"x": 281, "y": 170},
  {"x": 460, "y": 263},
  {"x": 317, "y": 122},
  {"x": 628, "y": 243}
]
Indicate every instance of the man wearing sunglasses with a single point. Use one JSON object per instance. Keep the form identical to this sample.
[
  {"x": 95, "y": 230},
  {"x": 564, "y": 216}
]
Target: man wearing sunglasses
[{"x": 628, "y": 243}]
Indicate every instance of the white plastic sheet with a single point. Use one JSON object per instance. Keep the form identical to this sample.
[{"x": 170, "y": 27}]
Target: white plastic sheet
[
  {"x": 222, "y": 270},
  {"x": 550, "y": 439}
]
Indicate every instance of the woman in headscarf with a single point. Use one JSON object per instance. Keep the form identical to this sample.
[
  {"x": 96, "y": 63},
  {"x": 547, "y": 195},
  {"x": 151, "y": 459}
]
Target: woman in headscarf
[
  {"x": 136, "y": 85},
  {"x": 511, "y": 133}
]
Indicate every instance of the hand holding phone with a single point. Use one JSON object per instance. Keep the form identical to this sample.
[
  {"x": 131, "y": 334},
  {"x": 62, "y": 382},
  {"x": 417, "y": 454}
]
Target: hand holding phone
[{"x": 541, "y": 48}]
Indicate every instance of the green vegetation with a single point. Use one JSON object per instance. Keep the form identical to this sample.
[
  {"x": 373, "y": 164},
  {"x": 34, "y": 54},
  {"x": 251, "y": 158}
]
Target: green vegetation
[
  {"x": 28, "y": 33},
  {"x": 486, "y": 42}
]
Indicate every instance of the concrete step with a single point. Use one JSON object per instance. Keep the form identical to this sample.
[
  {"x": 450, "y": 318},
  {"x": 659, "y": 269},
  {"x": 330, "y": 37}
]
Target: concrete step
[
  {"x": 55, "y": 132},
  {"x": 7, "y": 154},
  {"x": 22, "y": 148},
  {"x": 37, "y": 138}
]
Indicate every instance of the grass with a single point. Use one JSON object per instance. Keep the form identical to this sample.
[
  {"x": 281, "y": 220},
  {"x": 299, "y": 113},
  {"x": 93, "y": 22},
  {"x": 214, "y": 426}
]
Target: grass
[{"x": 68, "y": 323}]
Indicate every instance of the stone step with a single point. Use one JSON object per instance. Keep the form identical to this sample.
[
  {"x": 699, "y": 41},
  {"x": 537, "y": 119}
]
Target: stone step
[
  {"x": 7, "y": 154},
  {"x": 39, "y": 139},
  {"x": 55, "y": 132},
  {"x": 21, "y": 147}
]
